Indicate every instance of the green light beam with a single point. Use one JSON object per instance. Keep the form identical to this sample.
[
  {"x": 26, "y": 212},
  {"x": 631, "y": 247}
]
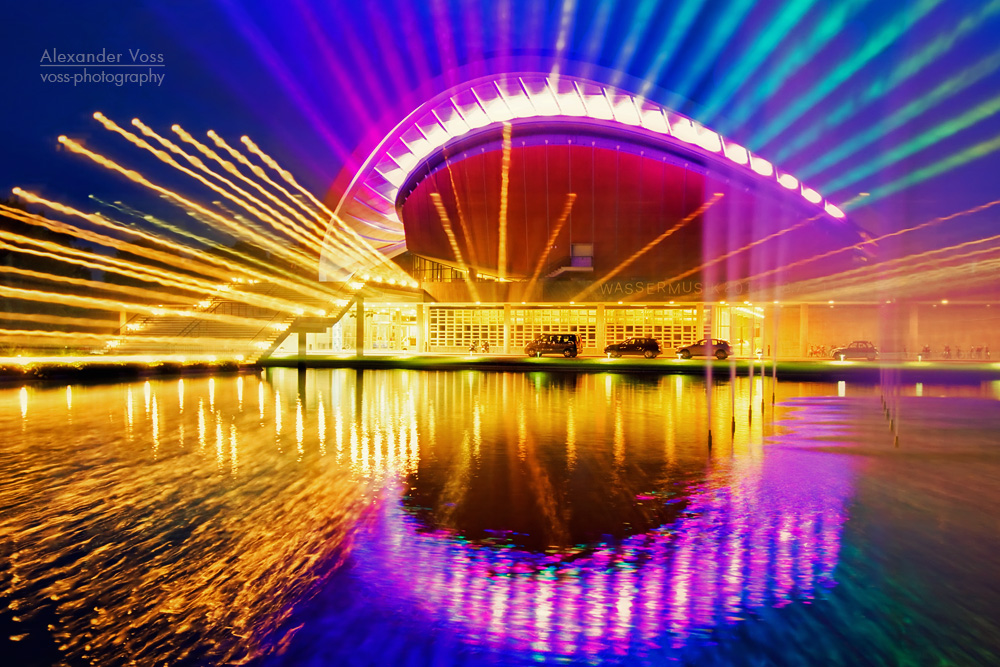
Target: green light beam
[
  {"x": 638, "y": 27},
  {"x": 876, "y": 45},
  {"x": 955, "y": 160},
  {"x": 800, "y": 53},
  {"x": 942, "y": 131},
  {"x": 787, "y": 18},
  {"x": 881, "y": 86},
  {"x": 679, "y": 27},
  {"x": 895, "y": 120},
  {"x": 722, "y": 30},
  {"x": 594, "y": 41}
]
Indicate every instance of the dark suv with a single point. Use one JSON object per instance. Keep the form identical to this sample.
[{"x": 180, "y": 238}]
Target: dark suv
[
  {"x": 719, "y": 348},
  {"x": 647, "y": 347},
  {"x": 568, "y": 345}
]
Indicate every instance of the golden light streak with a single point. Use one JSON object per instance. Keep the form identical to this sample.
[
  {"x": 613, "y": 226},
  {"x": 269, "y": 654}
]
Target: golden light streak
[
  {"x": 82, "y": 282},
  {"x": 504, "y": 186},
  {"x": 461, "y": 216},
  {"x": 164, "y": 157},
  {"x": 277, "y": 220},
  {"x": 287, "y": 176},
  {"x": 99, "y": 303},
  {"x": 871, "y": 241},
  {"x": 920, "y": 273},
  {"x": 97, "y": 261},
  {"x": 880, "y": 268},
  {"x": 272, "y": 273},
  {"x": 233, "y": 170},
  {"x": 21, "y": 335},
  {"x": 134, "y": 176},
  {"x": 148, "y": 253},
  {"x": 446, "y": 225},
  {"x": 60, "y": 320},
  {"x": 748, "y": 246},
  {"x": 649, "y": 246},
  {"x": 563, "y": 217}
]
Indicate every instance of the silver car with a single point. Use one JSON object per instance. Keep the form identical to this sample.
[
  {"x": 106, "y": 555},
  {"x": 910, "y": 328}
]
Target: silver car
[{"x": 859, "y": 349}]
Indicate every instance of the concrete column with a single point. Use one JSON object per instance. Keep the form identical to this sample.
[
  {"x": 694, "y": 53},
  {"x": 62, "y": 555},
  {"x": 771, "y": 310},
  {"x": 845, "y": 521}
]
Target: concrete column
[
  {"x": 303, "y": 350},
  {"x": 602, "y": 330},
  {"x": 913, "y": 344},
  {"x": 803, "y": 330},
  {"x": 700, "y": 317},
  {"x": 359, "y": 327},
  {"x": 508, "y": 323},
  {"x": 421, "y": 328},
  {"x": 776, "y": 330}
]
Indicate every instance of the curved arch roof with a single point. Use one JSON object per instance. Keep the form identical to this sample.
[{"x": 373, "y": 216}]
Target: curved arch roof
[{"x": 369, "y": 203}]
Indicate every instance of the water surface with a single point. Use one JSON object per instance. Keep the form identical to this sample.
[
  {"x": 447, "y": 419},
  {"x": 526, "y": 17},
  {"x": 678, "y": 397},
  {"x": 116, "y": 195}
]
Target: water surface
[{"x": 396, "y": 517}]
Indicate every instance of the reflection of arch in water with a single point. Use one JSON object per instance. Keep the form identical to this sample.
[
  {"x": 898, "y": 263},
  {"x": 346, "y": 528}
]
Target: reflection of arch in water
[{"x": 769, "y": 536}]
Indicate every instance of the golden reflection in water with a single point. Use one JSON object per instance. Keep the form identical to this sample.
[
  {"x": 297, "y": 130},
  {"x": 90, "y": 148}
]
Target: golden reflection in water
[
  {"x": 239, "y": 392},
  {"x": 201, "y": 424},
  {"x": 522, "y": 433},
  {"x": 219, "y": 459},
  {"x": 619, "y": 440},
  {"x": 570, "y": 435},
  {"x": 234, "y": 460},
  {"x": 376, "y": 436},
  {"x": 180, "y": 396},
  {"x": 300, "y": 430},
  {"x": 146, "y": 395},
  {"x": 277, "y": 413},
  {"x": 355, "y": 447},
  {"x": 211, "y": 394},
  {"x": 69, "y": 398},
  {"x": 260, "y": 400},
  {"x": 155, "y": 418},
  {"x": 139, "y": 559},
  {"x": 128, "y": 415},
  {"x": 321, "y": 426},
  {"x": 477, "y": 429},
  {"x": 338, "y": 434}
]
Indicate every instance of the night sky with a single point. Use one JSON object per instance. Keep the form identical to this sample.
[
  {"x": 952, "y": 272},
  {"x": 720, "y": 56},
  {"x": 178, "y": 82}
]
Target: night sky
[{"x": 896, "y": 99}]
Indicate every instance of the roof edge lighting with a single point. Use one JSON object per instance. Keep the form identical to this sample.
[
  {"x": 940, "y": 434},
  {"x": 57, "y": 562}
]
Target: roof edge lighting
[{"x": 472, "y": 105}]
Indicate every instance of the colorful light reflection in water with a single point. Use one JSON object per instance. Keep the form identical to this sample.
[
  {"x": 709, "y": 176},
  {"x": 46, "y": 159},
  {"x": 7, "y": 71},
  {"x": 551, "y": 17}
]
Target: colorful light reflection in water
[
  {"x": 753, "y": 533},
  {"x": 521, "y": 517}
]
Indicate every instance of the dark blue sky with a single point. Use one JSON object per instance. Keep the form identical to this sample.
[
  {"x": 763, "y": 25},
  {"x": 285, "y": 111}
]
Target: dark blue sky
[{"x": 313, "y": 83}]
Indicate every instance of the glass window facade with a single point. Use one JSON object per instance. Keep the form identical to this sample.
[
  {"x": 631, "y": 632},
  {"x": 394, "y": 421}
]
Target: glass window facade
[
  {"x": 672, "y": 327},
  {"x": 450, "y": 328},
  {"x": 527, "y": 323}
]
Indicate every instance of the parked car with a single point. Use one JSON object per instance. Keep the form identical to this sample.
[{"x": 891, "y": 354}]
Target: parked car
[
  {"x": 720, "y": 348},
  {"x": 647, "y": 347},
  {"x": 568, "y": 345},
  {"x": 859, "y": 349}
]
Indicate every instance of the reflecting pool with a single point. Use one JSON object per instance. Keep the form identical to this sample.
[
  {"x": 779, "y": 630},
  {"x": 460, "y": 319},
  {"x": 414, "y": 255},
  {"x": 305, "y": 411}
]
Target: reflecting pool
[{"x": 467, "y": 518}]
